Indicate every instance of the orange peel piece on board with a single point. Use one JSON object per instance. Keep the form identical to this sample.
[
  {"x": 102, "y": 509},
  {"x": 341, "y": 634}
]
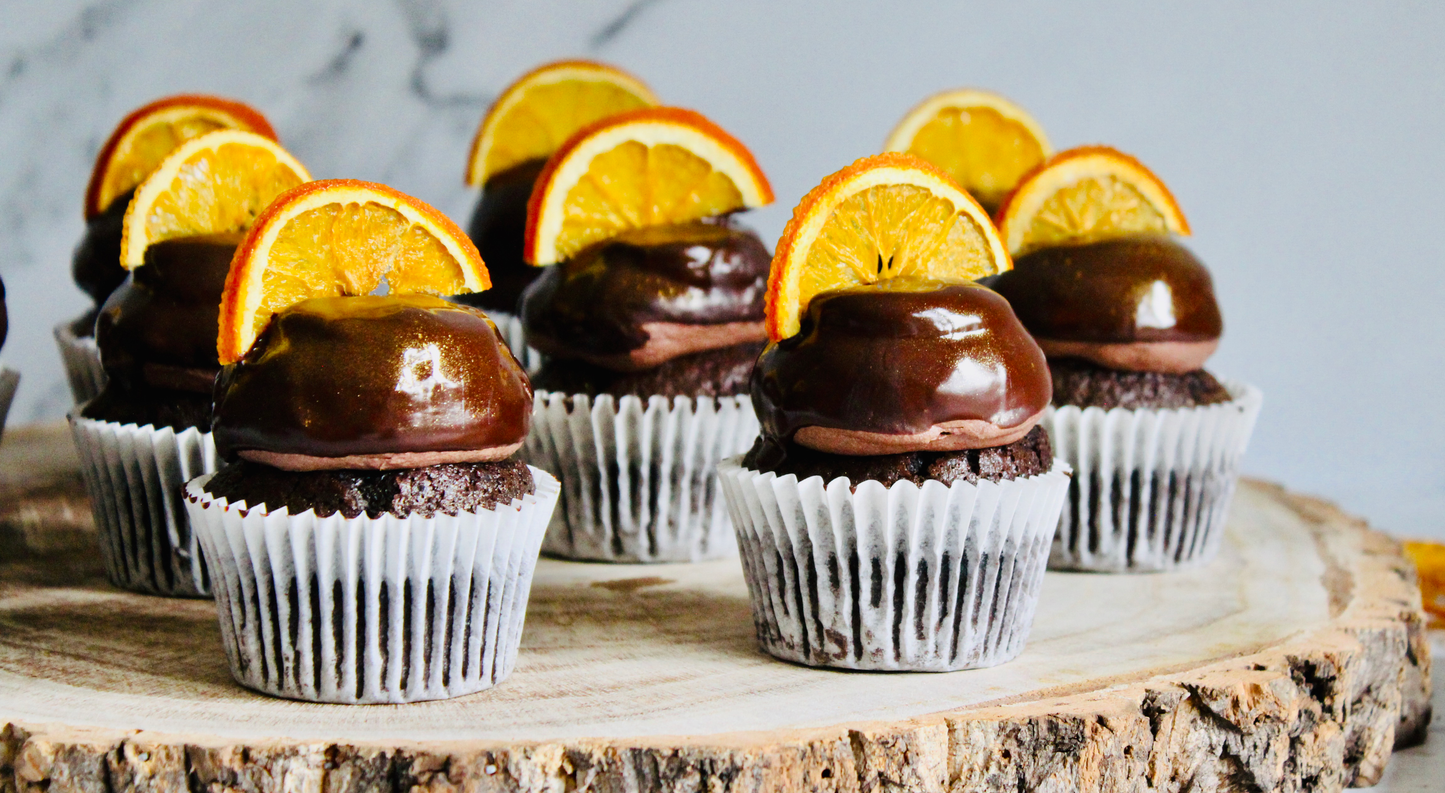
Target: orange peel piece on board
[
  {"x": 982, "y": 140},
  {"x": 647, "y": 167},
  {"x": 889, "y": 216},
  {"x": 1084, "y": 195},
  {"x": 341, "y": 237},
  {"x": 545, "y": 107},
  {"x": 1429, "y": 559},
  {"x": 145, "y": 136}
]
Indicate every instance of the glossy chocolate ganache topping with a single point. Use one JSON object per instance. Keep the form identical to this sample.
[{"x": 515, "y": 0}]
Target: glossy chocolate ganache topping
[
  {"x": 159, "y": 328},
  {"x": 1141, "y": 302},
  {"x": 95, "y": 266},
  {"x": 903, "y": 366},
  {"x": 373, "y": 383},
  {"x": 652, "y": 294},
  {"x": 499, "y": 229}
]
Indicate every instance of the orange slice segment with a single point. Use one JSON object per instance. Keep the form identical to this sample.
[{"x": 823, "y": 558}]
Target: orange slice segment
[
  {"x": 983, "y": 141},
  {"x": 1087, "y": 194},
  {"x": 647, "y": 167},
  {"x": 149, "y": 133},
  {"x": 218, "y": 182},
  {"x": 889, "y": 216},
  {"x": 341, "y": 237},
  {"x": 545, "y": 107}
]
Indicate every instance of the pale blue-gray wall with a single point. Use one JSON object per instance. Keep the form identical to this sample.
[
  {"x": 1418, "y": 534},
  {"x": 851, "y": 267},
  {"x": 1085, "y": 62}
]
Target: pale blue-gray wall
[{"x": 1302, "y": 139}]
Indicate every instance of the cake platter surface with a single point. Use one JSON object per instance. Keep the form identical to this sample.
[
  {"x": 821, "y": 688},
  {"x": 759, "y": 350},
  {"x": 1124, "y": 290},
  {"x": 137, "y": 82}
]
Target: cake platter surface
[{"x": 1296, "y": 661}]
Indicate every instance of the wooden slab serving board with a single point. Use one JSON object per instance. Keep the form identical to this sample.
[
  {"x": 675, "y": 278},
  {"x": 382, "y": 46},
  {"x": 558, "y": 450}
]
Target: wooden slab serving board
[{"x": 1296, "y": 661}]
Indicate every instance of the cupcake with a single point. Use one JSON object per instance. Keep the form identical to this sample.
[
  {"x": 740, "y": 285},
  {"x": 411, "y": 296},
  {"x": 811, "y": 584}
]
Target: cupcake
[
  {"x": 983, "y": 141},
  {"x": 9, "y": 378},
  {"x": 527, "y": 123},
  {"x": 649, "y": 314},
  {"x": 371, "y": 535},
  {"x": 148, "y": 431},
  {"x": 897, "y": 509},
  {"x": 1127, "y": 317},
  {"x": 132, "y": 152}
]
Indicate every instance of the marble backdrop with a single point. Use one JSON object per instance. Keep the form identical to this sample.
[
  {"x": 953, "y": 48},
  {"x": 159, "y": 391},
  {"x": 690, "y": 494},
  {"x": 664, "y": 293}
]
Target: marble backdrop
[{"x": 1302, "y": 141}]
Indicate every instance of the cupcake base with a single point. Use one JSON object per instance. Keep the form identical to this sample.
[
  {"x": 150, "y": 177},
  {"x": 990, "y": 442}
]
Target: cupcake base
[
  {"x": 135, "y": 476},
  {"x": 638, "y": 478},
  {"x": 372, "y": 610},
  {"x": 911, "y": 579},
  {"x": 82, "y": 363},
  {"x": 1151, "y": 488}
]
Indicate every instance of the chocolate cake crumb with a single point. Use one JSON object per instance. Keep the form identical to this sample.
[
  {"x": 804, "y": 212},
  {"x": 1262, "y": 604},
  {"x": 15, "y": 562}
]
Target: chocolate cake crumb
[
  {"x": 161, "y": 407},
  {"x": 450, "y": 488},
  {"x": 1086, "y": 384},
  {"x": 1028, "y": 456},
  {"x": 713, "y": 373}
]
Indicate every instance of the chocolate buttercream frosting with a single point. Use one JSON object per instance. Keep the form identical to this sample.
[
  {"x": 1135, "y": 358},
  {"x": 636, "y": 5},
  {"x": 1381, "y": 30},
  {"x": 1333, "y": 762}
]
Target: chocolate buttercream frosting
[
  {"x": 900, "y": 358},
  {"x": 159, "y": 327},
  {"x": 615, "y": 298},
  {"x": 96, "y": 263},
  {"x": 1138, "y": 288},
  {"x": 499, "y": 229},
  {"x": 384, "y": 377}
]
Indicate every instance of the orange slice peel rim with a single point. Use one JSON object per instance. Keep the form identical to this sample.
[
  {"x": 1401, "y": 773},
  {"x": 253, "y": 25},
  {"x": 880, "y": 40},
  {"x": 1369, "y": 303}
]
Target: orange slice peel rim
[
  {"x": 652, "y": 126},
  {"x": 577, "y": 69},
  {"x": 785, "y": 305},
  {"x": 1070, "y": 167},
  {"x": 132, "y": 254},
  {"x": 245, "y": 287},
  {"x": 238, "y": 115}
]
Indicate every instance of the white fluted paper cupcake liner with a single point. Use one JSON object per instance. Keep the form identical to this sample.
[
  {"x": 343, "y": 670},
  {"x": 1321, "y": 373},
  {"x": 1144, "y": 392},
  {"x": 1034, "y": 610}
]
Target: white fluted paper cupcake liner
[
  {"x": 510, "y": 326},
  {"x": 82, "y": 363},
  {"x": 9, "y": 382},
  {"x": 1151, "y": 488},
  {"x": 372, "y": 610},
  {"x": 135, "y": 476},
  {"x": 918, "y": 579},
  {"x": 639, "y": 479}
]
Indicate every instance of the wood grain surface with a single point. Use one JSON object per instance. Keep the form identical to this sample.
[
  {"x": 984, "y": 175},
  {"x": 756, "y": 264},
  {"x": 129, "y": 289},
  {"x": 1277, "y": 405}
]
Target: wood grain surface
[{"x": 1296, "y": 661}]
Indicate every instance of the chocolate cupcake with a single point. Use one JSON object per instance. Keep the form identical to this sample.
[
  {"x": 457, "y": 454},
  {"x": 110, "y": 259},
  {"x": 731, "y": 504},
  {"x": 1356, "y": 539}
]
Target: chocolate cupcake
[
  {"x": 134, "y": 149},
  {"x": 896, "y": 512},
  {"x": 1127, "y": 317},
  {"x": 148, "y": 431},
  {"x": 523, "y": 127},
  {"x": 9, "y": 378},
  {"x": 649, "y": 333},
  {"x": 373, "y": 536}
]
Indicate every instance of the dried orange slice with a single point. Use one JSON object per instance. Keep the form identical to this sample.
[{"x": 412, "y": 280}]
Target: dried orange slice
[
  {"x": 341, "y": 237},
  {"x": 144, "y": 138},
  {"x": 543, "y": 108},
  {"x": 889, "y": 216},
  {"x": 646, "y": 167},
  {"x": 982, "y": 140},
  {"x": 216, "y": 183},
  {"x": 1087, "y": 194}
]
